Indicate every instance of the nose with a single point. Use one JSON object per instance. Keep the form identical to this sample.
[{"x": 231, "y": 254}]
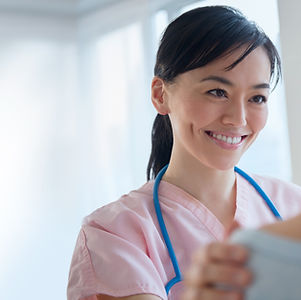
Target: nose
[{"x": 235, "y": 114}]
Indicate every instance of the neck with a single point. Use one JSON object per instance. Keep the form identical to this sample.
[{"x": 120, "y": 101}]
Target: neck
[{"x": 214, "y": 188}]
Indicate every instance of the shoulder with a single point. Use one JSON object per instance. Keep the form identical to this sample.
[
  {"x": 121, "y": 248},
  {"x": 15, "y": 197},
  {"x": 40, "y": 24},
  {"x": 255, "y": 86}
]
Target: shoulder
[
  {"x": 127, "y": 217},
  {"x": 286, "y": 195},
  {"x": 278, "y": 186},
  {"x": 136, "y": 201}
]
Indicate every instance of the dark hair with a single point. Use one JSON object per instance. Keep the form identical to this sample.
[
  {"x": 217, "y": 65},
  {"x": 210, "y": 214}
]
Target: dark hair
[{"x": 193, "y": 40}]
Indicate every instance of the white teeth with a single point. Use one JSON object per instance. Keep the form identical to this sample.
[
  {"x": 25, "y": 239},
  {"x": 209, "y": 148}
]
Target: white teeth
[{"x": 227, "y": 139}]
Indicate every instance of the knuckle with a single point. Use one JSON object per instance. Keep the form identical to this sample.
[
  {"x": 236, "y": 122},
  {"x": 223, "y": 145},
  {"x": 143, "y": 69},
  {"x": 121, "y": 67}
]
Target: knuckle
[
  {"x": 204, "y": 270},
  {"x": 189, "y": 294},
  {"x": 197, "y": 257},
  {"x": 192, "y": 277},
  {"x": 203, "y": 275},
  {"x": 212, "y": 247},
  {"x": 212, "y": 251}
]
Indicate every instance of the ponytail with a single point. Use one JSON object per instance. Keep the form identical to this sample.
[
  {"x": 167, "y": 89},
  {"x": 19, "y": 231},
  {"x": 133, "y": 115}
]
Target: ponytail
[{"x": 162, "y": 141}]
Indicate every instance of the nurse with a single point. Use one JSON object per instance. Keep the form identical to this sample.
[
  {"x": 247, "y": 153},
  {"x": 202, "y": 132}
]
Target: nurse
[{"x": 213, "y": 76}]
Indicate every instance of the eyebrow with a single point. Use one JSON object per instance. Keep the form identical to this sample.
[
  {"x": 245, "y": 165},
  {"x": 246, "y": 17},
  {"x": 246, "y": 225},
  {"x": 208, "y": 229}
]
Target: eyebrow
[{"x": 229, "y": 83}]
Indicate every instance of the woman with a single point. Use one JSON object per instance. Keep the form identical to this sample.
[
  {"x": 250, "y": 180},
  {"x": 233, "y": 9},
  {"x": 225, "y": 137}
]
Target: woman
[{"x": 212, "y": 80}]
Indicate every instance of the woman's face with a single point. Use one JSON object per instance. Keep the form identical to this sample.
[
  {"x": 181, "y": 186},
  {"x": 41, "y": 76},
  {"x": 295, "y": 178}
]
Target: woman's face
[{"x": 217, "y": 114}]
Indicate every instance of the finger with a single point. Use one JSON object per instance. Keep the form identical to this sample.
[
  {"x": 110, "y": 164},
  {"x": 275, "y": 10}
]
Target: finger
[
  {"x": 210, "y": 294},
  {"x": 193, "y": 276},
  {"x": 225, "y": 275},
  {"x": 223, "y": 252},
  {"x": 213, "y": 274}
]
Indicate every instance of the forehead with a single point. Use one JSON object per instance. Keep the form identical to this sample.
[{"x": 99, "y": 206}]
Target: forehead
[
  {"x": 255, "y": 68},
  {"x": 258, "y": 55}
]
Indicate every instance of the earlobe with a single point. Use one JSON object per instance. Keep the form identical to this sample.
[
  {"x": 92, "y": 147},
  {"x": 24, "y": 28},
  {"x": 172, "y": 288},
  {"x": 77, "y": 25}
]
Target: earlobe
[{"x": 158, "y": 96}]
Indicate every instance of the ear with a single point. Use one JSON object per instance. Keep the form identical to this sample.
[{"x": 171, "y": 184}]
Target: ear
[{"x": 159, "y": 97}]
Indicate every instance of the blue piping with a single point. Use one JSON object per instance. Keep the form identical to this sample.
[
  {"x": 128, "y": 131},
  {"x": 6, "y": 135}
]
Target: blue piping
[
  {"x": 165, "y": 235},
  {"x": 260, "y": 191}
]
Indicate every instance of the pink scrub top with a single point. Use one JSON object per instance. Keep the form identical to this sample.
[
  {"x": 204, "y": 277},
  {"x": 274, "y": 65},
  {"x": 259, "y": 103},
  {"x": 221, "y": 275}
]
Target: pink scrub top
[{"x": 120, "y": 250}]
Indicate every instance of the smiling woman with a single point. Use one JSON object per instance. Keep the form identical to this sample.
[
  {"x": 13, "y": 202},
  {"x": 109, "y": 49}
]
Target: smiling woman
[
  {"x": 212, "y": 81},
  {"x": 219, "y": 104}
]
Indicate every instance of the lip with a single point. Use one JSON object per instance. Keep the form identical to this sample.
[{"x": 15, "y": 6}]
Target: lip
[
  {"x": 225, "y": 145},
  {"x": 230, "y": 134}
]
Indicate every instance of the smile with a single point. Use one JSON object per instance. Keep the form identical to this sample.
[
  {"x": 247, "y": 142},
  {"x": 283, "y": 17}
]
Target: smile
[{"x": 231, "y": 140}]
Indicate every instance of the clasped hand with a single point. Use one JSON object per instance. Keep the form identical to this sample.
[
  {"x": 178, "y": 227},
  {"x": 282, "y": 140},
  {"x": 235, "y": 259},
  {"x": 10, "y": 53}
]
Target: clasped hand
[{"x": 217, "y": 272}]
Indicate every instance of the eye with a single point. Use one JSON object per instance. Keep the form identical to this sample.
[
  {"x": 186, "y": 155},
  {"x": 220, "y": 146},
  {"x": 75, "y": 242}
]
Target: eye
[
  {"x": 258, "y": 99},
  {"x": 218, "y": 93}
]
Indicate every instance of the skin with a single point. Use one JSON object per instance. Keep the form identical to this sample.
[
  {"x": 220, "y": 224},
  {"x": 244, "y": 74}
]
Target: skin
[
  {"x": 287, "y": 229},
  {"x": 134, "y": 297},
  {"x": 230, "y": 103}
]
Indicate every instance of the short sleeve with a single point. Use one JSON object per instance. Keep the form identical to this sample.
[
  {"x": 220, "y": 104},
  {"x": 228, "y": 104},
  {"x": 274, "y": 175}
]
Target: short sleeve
[
  {"x": 104, "y": 262},
  {"x": 81, "y": 277}
]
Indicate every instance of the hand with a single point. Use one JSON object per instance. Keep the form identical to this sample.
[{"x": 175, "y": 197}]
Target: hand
[{"x": 217, "y": 272}]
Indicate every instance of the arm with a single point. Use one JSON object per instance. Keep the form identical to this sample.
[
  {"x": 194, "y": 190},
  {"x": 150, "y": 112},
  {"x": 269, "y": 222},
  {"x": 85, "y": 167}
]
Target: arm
[
  {"x": 289, "y": 228},
  {"x": 135, "y": 297}
]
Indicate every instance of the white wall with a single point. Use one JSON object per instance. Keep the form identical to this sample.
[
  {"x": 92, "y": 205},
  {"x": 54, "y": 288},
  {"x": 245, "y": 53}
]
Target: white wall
[
  {"x": 290, "y": 36},
  {"x": 38, "y": 146}
]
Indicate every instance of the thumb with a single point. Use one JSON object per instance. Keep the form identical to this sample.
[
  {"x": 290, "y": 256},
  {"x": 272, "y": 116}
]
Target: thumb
[{"x": 230, "y": 229}]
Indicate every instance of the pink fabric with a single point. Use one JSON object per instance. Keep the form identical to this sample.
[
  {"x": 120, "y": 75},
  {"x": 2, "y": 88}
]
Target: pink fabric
[{"x": 120, "y": 250}]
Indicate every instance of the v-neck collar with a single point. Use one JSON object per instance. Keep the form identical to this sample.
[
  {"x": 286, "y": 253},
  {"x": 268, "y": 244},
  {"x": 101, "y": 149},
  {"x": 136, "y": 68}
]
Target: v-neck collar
[{"x": 170, "y": 192}]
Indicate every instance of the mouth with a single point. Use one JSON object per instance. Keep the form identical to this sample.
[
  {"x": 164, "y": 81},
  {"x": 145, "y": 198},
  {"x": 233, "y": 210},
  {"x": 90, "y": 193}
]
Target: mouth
[{"x": 231, "y": 140}]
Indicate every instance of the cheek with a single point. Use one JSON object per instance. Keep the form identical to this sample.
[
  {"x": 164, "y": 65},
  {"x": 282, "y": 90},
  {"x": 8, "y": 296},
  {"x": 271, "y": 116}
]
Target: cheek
[
  {"x": 187, "y": 112},
  {"x": 188, "y": 118},
  {"x": 259, "y": 120},
  {"x": 199, "y": 112}
]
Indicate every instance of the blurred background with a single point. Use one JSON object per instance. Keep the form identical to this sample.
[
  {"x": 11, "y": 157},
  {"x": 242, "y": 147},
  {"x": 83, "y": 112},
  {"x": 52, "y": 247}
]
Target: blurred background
[{"x": 76, "y": 117}]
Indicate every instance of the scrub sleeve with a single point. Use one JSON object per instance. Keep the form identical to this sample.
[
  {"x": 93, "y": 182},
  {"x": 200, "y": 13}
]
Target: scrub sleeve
[{"x": 106, "y": 263}]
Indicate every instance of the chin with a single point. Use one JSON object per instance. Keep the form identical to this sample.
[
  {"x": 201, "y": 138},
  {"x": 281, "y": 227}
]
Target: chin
[{"x": 224, "y": 165}]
